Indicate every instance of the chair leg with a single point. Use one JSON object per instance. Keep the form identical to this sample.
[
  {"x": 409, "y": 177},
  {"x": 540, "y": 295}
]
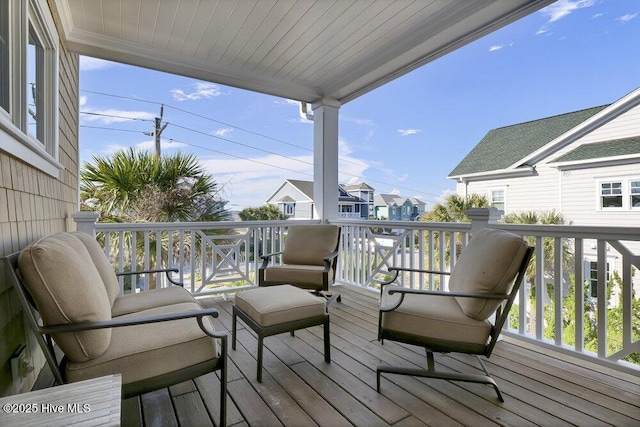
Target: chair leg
[
  {"x": 234, "y": 325},
  {"x": 432, "y": 373},
  {"x": 260, "y": 345},
  {"x": 327, "y": 342}
]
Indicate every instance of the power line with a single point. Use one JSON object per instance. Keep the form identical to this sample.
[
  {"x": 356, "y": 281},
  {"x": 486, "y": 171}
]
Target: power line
[{"x": 247, "y": 145}]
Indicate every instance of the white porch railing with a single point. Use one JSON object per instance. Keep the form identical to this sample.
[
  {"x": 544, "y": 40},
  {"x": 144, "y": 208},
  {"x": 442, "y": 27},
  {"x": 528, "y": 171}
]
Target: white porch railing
[{"x": 598, "y": 320}]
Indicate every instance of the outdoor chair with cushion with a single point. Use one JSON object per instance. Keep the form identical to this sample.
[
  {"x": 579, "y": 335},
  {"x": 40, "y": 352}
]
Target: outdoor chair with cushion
[
  {"x": 466, "y": 319},
  {"x": 154, "y": 339},
  {"x": 308, "y": 260}
]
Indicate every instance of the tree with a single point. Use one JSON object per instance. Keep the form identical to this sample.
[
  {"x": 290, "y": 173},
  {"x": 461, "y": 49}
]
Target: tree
[
  {"x": 262, "y": 213},
  {"x": 139, "y": 186},
  {"x": 452, "y": 210},
  {"x": 548, "y": 243},
  {"x": 132, "y": 186}
]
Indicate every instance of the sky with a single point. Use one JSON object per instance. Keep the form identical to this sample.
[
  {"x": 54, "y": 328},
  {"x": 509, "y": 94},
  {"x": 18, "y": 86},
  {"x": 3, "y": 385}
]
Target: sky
[{"x": 405, "y": 137}]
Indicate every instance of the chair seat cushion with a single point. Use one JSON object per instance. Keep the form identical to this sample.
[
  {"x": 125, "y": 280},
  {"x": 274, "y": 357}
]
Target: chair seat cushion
[
  {"x": 431, "y": 317},
  {"x": 274, "y": 305},
  {"x": 290, "y": 273},
  {"x": 145, "y": 351},
  {"x": 131, "y": 303}
]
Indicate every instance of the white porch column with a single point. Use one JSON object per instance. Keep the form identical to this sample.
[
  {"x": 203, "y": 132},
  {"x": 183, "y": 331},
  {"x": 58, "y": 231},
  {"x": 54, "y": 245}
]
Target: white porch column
[{"x": 325, "y": 158}]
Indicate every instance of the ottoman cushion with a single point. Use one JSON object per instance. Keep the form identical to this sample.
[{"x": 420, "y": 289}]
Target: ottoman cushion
[{"x": 274, "y": 305}]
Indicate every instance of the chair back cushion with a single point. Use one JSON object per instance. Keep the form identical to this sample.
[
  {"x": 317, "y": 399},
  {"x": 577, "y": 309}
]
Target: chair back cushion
[
  {"x": 488, "y": 264},
  {"x": 102, "y": 264},
  {"x": 67, "y": 288},
  {"x": 309, "y": 244}
]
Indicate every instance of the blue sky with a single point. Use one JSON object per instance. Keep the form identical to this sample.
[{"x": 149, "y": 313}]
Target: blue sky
[{"x": 404, "y": 137}]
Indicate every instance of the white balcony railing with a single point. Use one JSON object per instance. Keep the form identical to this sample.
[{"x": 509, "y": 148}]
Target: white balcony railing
[{"x": 598, "y": 320}]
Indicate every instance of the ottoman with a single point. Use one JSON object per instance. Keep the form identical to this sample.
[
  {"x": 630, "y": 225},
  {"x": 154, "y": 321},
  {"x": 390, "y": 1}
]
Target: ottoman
[{"x": 276, "y": 309}]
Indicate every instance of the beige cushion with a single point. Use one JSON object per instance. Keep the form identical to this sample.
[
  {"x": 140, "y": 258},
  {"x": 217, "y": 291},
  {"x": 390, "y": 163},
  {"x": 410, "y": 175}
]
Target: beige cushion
[
  {"x": 131, "y": 303},
  {"x": 145, "y": 351},
  {"x": 433, "y": 317},
  {"x": 309, "y": 244},
  {"x": 67, "y": 288},
  {"x": 303, "y": 274},
  {"x": 488, "y": 264},
  {"x": 102, "y": 264},
  {"x": 274, "y": 305}
]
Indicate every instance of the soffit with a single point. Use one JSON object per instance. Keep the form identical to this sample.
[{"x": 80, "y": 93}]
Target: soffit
[{"x": 299, "y": 49}]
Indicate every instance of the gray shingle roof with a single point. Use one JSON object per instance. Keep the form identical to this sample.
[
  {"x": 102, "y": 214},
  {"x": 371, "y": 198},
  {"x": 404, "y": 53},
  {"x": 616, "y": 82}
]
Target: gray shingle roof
[
  {"x": 596, "y": 150},
  {"x": 502, "y": 147},
  {"x": 306, "y": 187}
]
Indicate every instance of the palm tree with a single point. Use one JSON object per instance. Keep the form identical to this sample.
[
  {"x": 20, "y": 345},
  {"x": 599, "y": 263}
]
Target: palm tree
[
  {"x": 137, "y": 186},
  {"x": 548, "y": 243},
  {"x": 452, "y": 210}
]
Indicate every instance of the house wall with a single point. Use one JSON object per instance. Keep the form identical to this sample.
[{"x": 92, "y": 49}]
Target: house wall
[
  {"x": 303, "y": 205},
  {"x": 572, "y": 192},
  {"x": 32, "y": 205}
]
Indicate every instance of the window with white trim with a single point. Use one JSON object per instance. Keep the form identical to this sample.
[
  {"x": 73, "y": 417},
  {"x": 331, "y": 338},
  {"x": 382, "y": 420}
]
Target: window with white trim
[
  {"x": 611, "y": 194},
  {"x": 289, "y": 209},
  {"x": 4, "y": 56},
  {"x": 634, "y": 196},
  {"x": 618, "y": 194},
  {"x": 497, "y": 198},
  {"x": 29, "y": 53}
]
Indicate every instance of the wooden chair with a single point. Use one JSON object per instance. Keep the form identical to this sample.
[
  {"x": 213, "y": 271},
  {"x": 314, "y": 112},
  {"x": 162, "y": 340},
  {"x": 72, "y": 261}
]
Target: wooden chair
[
  {"x": 484, "y": 282},
  {"x": 308, "y": 260},
  {"x": 154, "y": 339}
]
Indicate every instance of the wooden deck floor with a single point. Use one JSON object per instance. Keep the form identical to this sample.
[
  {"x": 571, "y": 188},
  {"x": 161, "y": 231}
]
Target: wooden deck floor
[{"x": 300, "y": 389}]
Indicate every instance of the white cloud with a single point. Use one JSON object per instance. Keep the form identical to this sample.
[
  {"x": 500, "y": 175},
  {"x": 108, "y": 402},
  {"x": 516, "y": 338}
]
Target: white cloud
[
  {"x": 82, "y": 99},
  {"x": 88, "y": 63},
  {"x": 407, "y": 132},
  {"x": 495, "y": 47},
  {"x": 248, "y": 182},
  {"x": 165, "y": 144},
  {"x": 561, "y": 9},
  {"x": 111, "y": 115},
  {"x": 628, "y": 17},
  {"x": 202, "y": 90},
  {"x": 222, "y": 132}
]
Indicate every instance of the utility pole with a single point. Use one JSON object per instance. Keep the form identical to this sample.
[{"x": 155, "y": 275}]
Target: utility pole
[{"x": 157, "y": 130}]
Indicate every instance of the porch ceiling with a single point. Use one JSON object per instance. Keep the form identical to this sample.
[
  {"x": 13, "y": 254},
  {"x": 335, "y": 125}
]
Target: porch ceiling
[{"x": 302, "y": 50}]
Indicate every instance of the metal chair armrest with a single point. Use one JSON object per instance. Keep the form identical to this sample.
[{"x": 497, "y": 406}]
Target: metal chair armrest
[
  {"x": 397, "y": 270},
  {"x": 158, "y": 270},
  {"x": 130, "y": 321}
]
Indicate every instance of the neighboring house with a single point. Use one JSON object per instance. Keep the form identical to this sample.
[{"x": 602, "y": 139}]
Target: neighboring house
[
  {"x": 584, "y": 164},
  {"x": 295, "y": 199},
  {"x": 363, "y": 191},
  {"x": 397, "y": 208}
]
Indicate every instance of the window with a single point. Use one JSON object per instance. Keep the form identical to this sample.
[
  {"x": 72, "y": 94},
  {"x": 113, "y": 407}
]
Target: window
[
  {"x": 635, "y": 194},
  {"x": 611, "y": 194},
  {"x": 29, "y": 83},
  {"x": 289, "y": 209},
  {"x": 497, "y": 198},
  {"x": 620, "y": 194},
  {"x": 4, "y": 56},
  {"x": 593, "y": 278}
]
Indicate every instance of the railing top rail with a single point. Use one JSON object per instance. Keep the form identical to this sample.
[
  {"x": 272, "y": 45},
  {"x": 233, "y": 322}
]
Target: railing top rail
[
  {"x": 118, "y": 226},
  {"x": 573, "y": 231},
  {"x": 448, "y": 226}
]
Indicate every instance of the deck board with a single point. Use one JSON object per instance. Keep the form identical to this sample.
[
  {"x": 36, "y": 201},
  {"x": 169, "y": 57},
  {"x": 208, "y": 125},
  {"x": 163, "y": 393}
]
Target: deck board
[{"x": 540, "y": 386}]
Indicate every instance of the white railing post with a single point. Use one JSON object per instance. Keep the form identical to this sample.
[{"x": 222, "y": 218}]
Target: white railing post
[
  {"x": 86, "y": 222},
  {"x": 482, "y": 217}
]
